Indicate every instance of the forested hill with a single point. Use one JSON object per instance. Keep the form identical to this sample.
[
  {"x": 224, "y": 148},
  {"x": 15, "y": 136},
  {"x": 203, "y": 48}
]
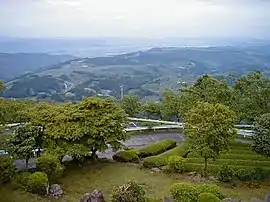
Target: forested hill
[
  {"x": 146, "y": 73},
  {"x": 15, "y": 64}
]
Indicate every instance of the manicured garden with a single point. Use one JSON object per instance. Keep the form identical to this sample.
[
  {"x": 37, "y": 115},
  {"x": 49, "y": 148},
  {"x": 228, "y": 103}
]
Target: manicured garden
[
  {"x": 239, "y": 156},
  {"x": 105, "y": 176}
]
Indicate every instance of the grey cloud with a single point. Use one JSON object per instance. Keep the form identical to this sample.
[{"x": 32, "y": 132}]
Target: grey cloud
[{"x": 151, "y": 18}]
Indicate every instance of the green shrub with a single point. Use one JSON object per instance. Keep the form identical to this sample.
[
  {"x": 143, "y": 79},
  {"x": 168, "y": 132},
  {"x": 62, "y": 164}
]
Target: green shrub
[
  {"x": 244, "y": 157},
  {"x": 241, "y": 151},
  {"x": 6, "y": 169},
  {"x": 50, "y": 165},
  {"x": 225, "y": 174},
  {"x": 127, "y": 156},
  {"x": 208, "y": 197},
  {"x": 231, "y": 162},
  {"x": 239, "y": 144},
  {"x": 129, "y": 192},
  {"x": 19, "y": 181},
  {"x": 260, "y": 173},
  {"x": 176, "y": 164},
  {"x": 154, "y": 161},
  {"x": 244, "y": 174},
  {"x": 184, "y": 192},
  {"x": 157, "y": 148},
  {"x": 37, "y": 183},
  {"x": 162, "y": 159},
  {"x": 210, "y": 188},
  {"x": 214, "y": 169}
]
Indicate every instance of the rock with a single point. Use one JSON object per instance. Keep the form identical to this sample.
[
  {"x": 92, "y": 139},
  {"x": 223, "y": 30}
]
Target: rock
[
  {"x": 97, "y": 196},
  {"x": 164, "y": 168},
  {"x": 168, "y": 199},
  {"x": 56, "y": 190},
  {"x": 256, "y": 200},
  {"x": 267, "y": 197},
  {"x": 192, "y": 173},
  {"x": 230, "y": 200},
  {"x": 86, "y": 198},
  {"x": 155, "y": 169},
  {"x": 212, "y": 178}
]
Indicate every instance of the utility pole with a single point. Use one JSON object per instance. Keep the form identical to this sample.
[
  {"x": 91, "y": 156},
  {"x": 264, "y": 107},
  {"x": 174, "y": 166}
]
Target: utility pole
[{"x": 121, "y": 92}]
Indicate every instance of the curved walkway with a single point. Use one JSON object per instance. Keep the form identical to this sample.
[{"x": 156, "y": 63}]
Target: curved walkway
[{"x": 143, "y": 139}]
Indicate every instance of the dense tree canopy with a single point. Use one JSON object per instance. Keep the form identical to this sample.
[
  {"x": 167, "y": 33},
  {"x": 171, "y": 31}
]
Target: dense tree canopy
[
  {"x": 252, "y": 96},
  {"x": 131, "y": 104},
  {"x": 172, "y": 105},
  {"x": 206, "y": 89},
  {"x": 1, "y": 86},
  {"x": 154, "y": 110},
  {"x": 14, "y": 111},
  {"x": 261, "y": 140},
  {"x": 209, "y": 128},
  {"x": 81, "y": 128}
]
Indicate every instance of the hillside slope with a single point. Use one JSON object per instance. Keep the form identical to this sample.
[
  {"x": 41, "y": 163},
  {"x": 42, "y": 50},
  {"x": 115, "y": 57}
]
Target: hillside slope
[
  {"x": 145, "y": 73},
  {"x": 15, "y": 64}
]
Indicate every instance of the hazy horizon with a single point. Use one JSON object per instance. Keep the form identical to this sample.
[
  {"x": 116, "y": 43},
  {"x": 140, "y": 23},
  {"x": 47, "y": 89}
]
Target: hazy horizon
[{"x": 135, "y": 19}]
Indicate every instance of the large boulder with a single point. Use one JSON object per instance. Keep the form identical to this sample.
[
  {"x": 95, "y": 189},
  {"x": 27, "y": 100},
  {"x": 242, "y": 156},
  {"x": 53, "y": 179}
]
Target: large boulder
[
  {"x": 86, "y": 198},
  {"x": 56, "y": 190},
  {"x": 97, "y": 196},
  {"x": 267, "y": 197}
]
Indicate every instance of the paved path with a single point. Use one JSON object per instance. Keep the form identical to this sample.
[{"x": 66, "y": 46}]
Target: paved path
[
  {"x": 135, "y": 141},
  {"x": 143, "y": 139}
]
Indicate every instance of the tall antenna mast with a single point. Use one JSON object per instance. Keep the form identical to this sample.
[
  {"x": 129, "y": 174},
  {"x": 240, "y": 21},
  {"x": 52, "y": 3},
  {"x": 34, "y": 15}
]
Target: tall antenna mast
[{"x": 121, "y": 92}]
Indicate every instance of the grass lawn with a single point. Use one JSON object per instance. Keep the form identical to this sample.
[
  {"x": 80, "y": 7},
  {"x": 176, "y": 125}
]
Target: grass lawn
[{"x": 104, "y": 176}]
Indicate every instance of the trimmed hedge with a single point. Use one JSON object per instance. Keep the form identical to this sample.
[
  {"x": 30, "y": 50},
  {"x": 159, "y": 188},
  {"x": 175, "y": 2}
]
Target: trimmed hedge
[
  {"x": 176, "y": 164},
  {"x": 162, "y": 159},
  {"x": 157, "y": 148},
  {"x": 213, "y": 168},
  {"x": 241, "y": 156},
  {"x": 239, "y": 144},
  {"x": 127, "y": 156},
  {"x": 231, "y": 162}
]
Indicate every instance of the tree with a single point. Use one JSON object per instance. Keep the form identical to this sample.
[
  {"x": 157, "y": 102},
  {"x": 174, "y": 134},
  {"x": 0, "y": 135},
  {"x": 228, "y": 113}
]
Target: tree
[
  {"x": 4, "y": 141},
  {"x": 205, "y": 89},
  {"x": 14, "y": 111},
  {"x": 261, "y": 139},
  {"x": 82, "y": 128},
  {"x": 171, "y": 102},
  {"x": 131, "y": 105},
  {"x": 154, "y": 110},
  {"x": 252, "y": 96},
  {"x": 1, "y": 86},
  {"x": 209, "y": 128},
  {"x": 24, "y": 141}
]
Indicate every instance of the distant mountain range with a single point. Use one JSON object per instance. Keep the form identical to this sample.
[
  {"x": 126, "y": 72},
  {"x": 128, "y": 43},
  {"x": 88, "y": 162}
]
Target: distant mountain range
[
  {"x": 106, "y": 46},
  {"x": 13, "y": 65},
  {"x": 145, "y": 73}
]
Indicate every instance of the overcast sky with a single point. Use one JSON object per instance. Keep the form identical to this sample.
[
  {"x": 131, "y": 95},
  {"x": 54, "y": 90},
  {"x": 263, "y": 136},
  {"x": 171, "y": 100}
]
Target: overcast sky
[{"x": 135, "y": 18}]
